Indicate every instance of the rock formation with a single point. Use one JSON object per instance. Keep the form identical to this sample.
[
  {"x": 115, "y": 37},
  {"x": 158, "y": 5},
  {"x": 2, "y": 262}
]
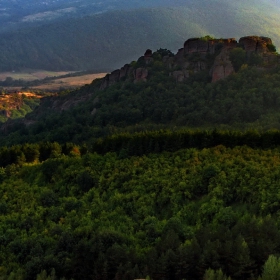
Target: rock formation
[
  {"x": 194, "y": 57},
  {"x": 222, "y": 67},
  {"x": 110, "y": 79},
  {"x": 255, "y": 44},
  {"x": 201, "y": 45},
  {"x": 127, "y": 71},
  {"x": 140, "y": 74},
  {"x": 148, "y": 56}
]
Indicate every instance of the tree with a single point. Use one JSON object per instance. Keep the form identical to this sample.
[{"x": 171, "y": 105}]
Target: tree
[
  {"x": 237, "y": 57},
  {"x": 271, "y": 268},
  {"x": 211, "y": 274}
]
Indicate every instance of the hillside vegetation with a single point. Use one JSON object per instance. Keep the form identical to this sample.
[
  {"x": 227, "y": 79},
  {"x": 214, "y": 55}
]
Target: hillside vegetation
[
  {"x": 246, "y": 99},
  {"x": 17, "y": 105},
  {"x": 165, "y": 169}
]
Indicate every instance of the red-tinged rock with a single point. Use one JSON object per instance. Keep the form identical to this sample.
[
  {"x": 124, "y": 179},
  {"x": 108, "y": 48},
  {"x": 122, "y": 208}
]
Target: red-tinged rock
[
  {"x": 114, "y": 77},
  {"x": 110, "y": 79},
  {"x": 140, "y": 74},
  {"x": 222, "y": 67},
  {"x": 125, "y": 71},
  {"x": 255, "y": 43}
]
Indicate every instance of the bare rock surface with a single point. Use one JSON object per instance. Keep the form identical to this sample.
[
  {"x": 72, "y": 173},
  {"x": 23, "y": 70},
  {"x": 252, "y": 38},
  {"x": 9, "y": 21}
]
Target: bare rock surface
[
  {"x": 140, "y": 74},
  {"x": 222, "y": 67},
  {"x": 255, "y": 43}
]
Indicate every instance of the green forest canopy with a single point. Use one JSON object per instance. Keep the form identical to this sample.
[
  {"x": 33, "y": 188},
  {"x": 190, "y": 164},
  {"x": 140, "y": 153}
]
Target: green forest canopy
[{"x": 172, "y": 215}]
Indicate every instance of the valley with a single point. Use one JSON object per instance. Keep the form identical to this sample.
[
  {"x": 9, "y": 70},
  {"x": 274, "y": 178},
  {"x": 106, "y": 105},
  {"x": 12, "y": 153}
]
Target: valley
[
  {"x": 47, "y": 81},
  {"x": 22, "y": 91},
  {"x": 30, "y": 75}
]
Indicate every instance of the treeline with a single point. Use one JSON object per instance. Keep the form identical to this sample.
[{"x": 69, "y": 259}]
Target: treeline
[
  {"x": 141, "y": 143},
  {"x": 30, "y": 153},
  {"x": 167, "y": 140}
]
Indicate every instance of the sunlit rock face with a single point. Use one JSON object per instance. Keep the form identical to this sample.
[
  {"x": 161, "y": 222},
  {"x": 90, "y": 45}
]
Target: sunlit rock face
[{"x": 255, "y": 44}]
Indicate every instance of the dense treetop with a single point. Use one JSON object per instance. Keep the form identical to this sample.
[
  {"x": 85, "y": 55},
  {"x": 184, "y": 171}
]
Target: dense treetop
[{"x": 173, "y": 215}]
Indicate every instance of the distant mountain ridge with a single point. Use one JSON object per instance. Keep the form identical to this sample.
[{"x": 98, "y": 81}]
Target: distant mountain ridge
[
  {"x": 20, "y": 14},
  {"x": 111, "y": 39}
]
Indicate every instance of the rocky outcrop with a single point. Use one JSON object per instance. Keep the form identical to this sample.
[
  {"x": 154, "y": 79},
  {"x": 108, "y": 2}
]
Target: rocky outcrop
[
  {"x": 110, "y": 79},
  {"x": 148, "y": 56},
  {"x": 194, "y": 45},
  {"x": 222, "y": 67},
  {"x": 193, "y": 58},
  {"x": 255, "y": 44},
  {"x": 125, "y": 71},
  {"x": 201, "y": 45},
  {"x": 140, "y": 75}
]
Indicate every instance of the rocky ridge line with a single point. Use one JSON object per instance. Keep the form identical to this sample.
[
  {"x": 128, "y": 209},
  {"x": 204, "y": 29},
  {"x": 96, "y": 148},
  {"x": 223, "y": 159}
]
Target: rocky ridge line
[{"x": 192, "y": 58}]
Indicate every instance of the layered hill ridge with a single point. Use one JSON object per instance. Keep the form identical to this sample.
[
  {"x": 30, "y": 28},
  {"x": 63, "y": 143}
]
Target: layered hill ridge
[{"x": 112, "y": 38}]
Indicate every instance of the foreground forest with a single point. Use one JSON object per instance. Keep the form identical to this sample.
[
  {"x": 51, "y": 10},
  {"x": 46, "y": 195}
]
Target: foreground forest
[{"x": 188, "y": 214}]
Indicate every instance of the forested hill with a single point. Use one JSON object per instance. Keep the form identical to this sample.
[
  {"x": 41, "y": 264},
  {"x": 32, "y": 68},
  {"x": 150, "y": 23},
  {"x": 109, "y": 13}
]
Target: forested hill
[
  {"x": 113, "y": 38},
  {"x": 208, "y": 83}
]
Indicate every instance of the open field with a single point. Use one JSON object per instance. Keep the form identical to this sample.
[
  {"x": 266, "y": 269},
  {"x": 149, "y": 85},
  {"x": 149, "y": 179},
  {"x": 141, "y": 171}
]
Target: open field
[
  {"x": 70, "y": 82},
  {"x": 30, "y": 75},
  {"x": 53, "y": 84}
]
